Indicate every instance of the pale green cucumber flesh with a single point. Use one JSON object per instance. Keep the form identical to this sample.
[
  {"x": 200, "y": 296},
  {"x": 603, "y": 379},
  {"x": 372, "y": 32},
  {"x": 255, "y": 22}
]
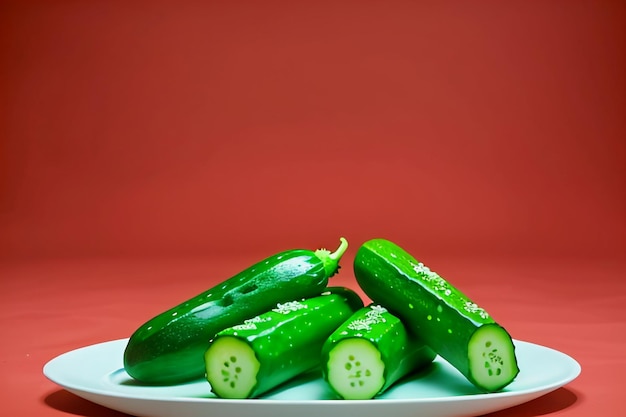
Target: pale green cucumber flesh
[
  {"x": 231, "y": 367},
  {"x": 491, "y": 356},
  {"x": 355, "y": 369}
]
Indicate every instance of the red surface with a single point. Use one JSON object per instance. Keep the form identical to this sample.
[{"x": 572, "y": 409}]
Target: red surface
[{"x": 149, "y": 150}]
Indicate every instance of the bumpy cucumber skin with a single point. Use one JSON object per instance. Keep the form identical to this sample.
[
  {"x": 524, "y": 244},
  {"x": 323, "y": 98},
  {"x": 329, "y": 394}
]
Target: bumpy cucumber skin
[
  {"x": 287, "y": 339},
  {"x": 169, "y": 348},
  {"x": 431, "y": 308},
  {"x": 401, "y": 352}
]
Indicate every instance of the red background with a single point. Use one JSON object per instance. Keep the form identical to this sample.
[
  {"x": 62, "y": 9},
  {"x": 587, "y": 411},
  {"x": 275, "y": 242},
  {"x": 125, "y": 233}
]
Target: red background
[{"x": 149, "y": 140}]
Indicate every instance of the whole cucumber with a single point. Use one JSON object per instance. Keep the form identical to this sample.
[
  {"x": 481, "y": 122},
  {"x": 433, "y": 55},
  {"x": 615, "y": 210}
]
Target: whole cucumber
[
  {"x": 455, "y": 327},
  {"x": 169, "y": 348}
]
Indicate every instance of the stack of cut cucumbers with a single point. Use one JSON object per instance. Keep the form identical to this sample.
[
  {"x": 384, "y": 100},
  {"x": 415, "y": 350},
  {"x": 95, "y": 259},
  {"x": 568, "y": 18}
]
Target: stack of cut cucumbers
[{"x": 279, "y": 319}]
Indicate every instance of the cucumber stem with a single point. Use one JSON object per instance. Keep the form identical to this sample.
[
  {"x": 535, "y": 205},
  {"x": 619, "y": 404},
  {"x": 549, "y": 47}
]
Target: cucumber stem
[{"x": 331, "y": 260}]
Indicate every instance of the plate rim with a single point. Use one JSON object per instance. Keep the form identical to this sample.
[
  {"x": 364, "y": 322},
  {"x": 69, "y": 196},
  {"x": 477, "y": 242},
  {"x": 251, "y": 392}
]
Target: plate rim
[{"x": 48, "y": 370}]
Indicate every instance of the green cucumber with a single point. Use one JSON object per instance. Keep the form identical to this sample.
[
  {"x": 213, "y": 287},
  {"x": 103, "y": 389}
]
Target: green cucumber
[
  {"x": 370, "y": 352},
  {"x": 169, "y": 348},
  {"x": 251, "y": 358},
  {"x": 455, "y": 327}
]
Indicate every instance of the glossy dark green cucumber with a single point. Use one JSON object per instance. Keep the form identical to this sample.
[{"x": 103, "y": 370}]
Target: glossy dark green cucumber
[
  {"x": 169, "y": 348},
  {"x": 370, "y": 352},
  {"x": 251, "y": 358},
  {"x": 460, "y": 331}
]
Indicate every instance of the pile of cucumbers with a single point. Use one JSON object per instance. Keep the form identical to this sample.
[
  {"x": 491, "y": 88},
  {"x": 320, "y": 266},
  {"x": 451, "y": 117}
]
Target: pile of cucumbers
[{"x": 279, "y": 318}]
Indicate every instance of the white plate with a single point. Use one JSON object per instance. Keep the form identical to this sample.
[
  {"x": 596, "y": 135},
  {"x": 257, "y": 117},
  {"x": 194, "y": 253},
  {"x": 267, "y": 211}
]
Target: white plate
[{"x": 96, "y": 374}]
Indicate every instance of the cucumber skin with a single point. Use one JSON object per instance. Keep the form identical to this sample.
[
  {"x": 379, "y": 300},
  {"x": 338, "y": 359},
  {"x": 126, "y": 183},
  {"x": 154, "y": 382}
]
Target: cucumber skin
[
  {"x": 395, "y": 279},
  {"x": 286, "y": 341},
  {"x": 169, "y": 348},
  {"x": 401, "y": 352}
]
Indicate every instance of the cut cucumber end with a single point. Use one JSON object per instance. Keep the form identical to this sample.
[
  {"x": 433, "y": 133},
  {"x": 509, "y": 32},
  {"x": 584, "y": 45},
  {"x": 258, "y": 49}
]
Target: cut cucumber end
[
  {"x": 355, "y": 369},
  {"x": 231, "y": 367},
  {"x": 492, "y": 361}
]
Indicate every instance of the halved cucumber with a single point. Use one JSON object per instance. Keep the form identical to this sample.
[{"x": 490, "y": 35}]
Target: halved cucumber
[
  {"x": 370, "y": 352},
  {"x": 455, "y": 327},
  {"x": 249, "y": 359}
]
